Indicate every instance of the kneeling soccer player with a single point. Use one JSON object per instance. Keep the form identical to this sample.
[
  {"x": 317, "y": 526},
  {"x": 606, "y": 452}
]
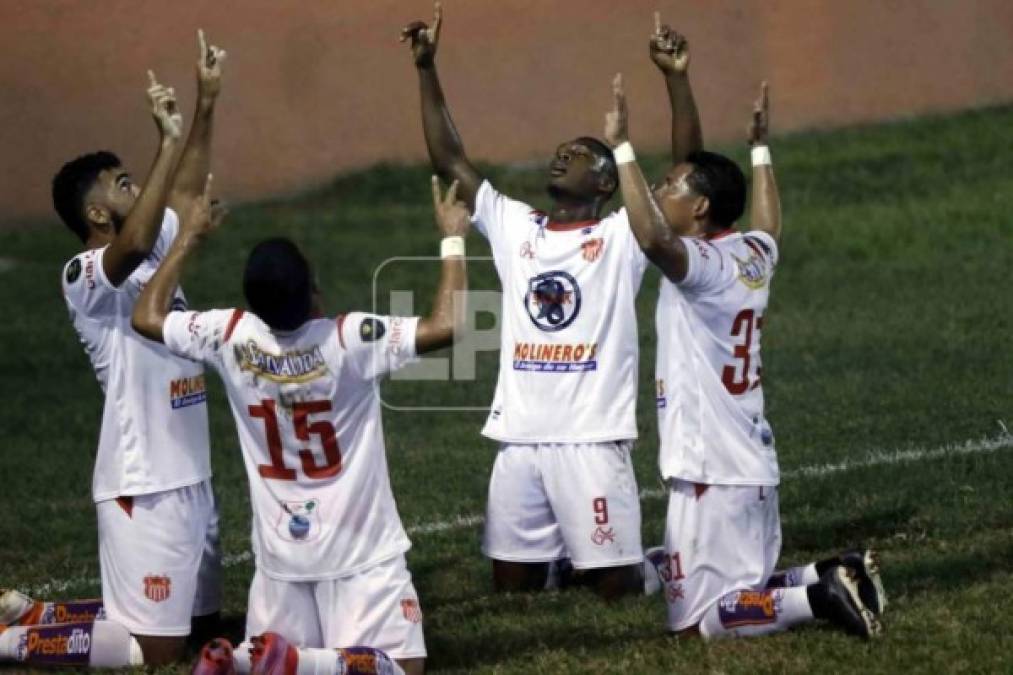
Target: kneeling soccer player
[
  {"x": 328, "y": 543},
  {"x": 723, "y": 530}
]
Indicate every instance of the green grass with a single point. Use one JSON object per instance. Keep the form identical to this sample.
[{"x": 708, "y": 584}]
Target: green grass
[{"x": 890, "y": 328}]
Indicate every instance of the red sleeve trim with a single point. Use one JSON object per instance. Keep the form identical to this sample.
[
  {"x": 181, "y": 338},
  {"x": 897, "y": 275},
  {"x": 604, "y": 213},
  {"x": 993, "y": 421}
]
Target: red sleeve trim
[
  {"x": 341, "y": 324},
  {"x": 237, "y": 314},
  {"x": 127, "y": 504}
]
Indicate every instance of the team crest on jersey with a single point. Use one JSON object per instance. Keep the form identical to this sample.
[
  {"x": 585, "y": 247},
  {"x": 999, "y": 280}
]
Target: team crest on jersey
[
  {"x": 592, "y": 248},
  {"x": 302, "y": 523},
  {"x": 752, "y": 271},
  {"x": 288, "y": 367},
  {"x": 411, "y": 610},
  {"x": 73, "y": 270},
  {"x": 157, "y": 588},
  {"x": 187, "y": 391},
  {"x": 371, "y": 330},
  {"x": 553, "y": 300}
]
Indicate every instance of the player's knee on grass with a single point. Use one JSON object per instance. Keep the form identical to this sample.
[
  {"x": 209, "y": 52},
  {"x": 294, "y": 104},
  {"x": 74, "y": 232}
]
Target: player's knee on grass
[
  {"x": 161, "y": 650},
  {"x": 412, "y": 666},
  {"x": 516, "y": 577},
  {"x": 612, "y": 583}
]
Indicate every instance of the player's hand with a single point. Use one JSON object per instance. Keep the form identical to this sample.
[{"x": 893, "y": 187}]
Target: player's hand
[
  {"x": 209, "y": 67},
  {"x": 759, "y": 125},
  {"x": 202, "y": 216},
  {"x": 452, "y": 216},
  {"x": 164, "y": 109},
  {"x": 669, "y": 50},
  {"x": 424, "y": 38},
  {"x": 617, "y": 121}
]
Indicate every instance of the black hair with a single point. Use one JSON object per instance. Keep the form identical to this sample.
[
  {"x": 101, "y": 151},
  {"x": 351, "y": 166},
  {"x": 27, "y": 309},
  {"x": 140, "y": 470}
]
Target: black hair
[
  {"x": 604, "y": 153},
  {"x": 71, "y": 184},
  {"x": 722, "y": 182},
  {"x": 278, "y": 284}
]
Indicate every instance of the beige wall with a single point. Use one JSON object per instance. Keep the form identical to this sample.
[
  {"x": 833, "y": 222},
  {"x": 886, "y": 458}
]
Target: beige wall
[{"x": 315, "y": 87}]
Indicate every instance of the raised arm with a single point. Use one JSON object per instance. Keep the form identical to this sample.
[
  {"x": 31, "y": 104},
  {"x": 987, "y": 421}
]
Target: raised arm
[
  {"x": 195, "y": 161},
  {"x": 134, "y": 241},
  {"x": 656, "y": 239},
  {"x": 446, "y": 320},
  {"x": 197, "y": 219},
  {"x": 765, "y": 209},
  {"x": 670, "y": 53},
  {"x": 446, "y": 152}
]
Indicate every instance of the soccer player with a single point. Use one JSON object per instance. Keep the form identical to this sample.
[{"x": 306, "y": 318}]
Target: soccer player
[
  {"x": 157, "y": 521},
  {"x": 328, "y": 543},
  {"x": 562, "y": 485},
  {"x": 723, "y": 534}
]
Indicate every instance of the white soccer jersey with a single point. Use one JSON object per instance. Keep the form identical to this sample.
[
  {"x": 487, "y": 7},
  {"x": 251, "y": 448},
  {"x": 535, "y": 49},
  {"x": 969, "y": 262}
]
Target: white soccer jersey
[
  {"x": 154, "y": 433},
  {"x": 568, "y": 350},
  {"x": 710, "y": 402},
  {"x": 308, "y": 414}
]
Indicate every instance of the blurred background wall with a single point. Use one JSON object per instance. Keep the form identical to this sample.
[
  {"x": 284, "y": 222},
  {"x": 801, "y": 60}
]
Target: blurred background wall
[{"x": 317, "y": 87}]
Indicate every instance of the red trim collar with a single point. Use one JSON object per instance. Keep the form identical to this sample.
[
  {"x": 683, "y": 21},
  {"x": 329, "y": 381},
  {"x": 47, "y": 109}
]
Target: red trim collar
[{"x": 565, "y": 227}]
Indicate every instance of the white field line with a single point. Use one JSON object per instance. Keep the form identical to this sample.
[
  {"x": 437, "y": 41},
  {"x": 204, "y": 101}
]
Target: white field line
[{"x": 1002, "y": 441}]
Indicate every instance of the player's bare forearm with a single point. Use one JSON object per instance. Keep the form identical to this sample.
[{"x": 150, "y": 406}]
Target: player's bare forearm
[
  {"x": 142, "y": 225},
  {"x": 765, "y": 209},
  {"x": 153, "y": 304},
  {"x": 446, "y": 151},
  {"x": 446, "y": 320},
  {"x": 687, "y": 134},
  {"x": 195, "y": 161},
  {"x": 656, "y": 239}
]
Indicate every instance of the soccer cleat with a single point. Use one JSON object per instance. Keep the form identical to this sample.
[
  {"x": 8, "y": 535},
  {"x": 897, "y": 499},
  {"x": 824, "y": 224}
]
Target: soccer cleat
[
  {"x": 17, "y": 609},
  {"x": 864, "y": 562},
  {"x": 845, "y": 607},
  {"x": 215, "y": 659},
  {"x": 654, "y": 558},
  {"x": 273, "y": 655}
]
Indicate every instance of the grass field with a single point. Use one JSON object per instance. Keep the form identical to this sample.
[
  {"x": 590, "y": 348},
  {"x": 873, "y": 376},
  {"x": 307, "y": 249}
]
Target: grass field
[{"x": 891, "y": 329}]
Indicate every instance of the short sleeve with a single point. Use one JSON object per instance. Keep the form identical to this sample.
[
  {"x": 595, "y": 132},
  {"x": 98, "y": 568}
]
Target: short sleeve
[
  {"x": 494, "y": 212},
  {"x": 86, "y": 287},
  {"x": 706, "y": 265},
  {"x": 377, "y": 344},
  {"x": 198, "y": 336},
  {"x": 763, "y": 245}
]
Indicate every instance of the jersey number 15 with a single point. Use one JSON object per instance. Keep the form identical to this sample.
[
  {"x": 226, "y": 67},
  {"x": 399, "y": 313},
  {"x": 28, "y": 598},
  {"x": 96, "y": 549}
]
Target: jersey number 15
[{"x": 303, "y": 430}]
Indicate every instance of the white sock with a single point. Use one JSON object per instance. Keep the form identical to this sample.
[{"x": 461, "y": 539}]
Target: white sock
[
  {"x": 803, "y": 575},
  {"x": 749, "y": 613},
  {"x": 316, "y": 661},
  {"x": 100, "y": 644}
]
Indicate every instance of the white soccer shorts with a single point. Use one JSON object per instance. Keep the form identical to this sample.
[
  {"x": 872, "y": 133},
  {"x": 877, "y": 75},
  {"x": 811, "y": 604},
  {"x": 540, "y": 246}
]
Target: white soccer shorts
[
  {"x": 719, "y": 539},
  {"x": 160, "y": 558},
  {"x": 552, "y": 501},
  {"x": 377, "y": 608}
]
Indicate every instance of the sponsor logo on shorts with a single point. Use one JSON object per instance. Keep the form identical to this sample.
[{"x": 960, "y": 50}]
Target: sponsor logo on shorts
[
  {"x": 187, "y": 391},
  {"x": 601, "y": 536},
  {"x": 558, "y": 358},
  {"x": 552, "y": 300},
  {"x": 743, "y": 608},
  {"x": 287, "y": 367},
  {"x": 363, "y": 661},
  {"x": 411, "y": 610},
  {"x": 592, "y": 248},
  {"x": 157, "y": 588},
  {"x": 57, "y": 645}
]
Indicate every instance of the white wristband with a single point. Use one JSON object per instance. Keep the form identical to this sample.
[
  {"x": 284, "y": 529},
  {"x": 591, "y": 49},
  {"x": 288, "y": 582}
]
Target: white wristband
[
  {"x": 761, "y": 155},
  {"x": 452, "y": 246},
  {"x": 624, "y": 153}
]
